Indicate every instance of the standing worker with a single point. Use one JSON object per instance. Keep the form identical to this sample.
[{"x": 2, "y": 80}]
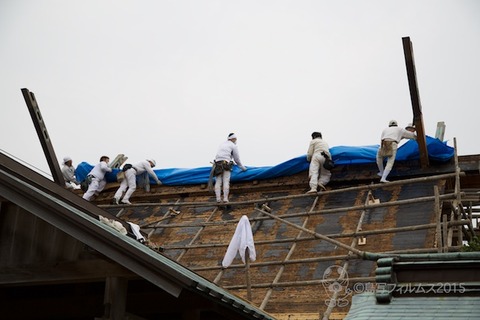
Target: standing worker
[
  {"x": 390, "y": 138},
  {"x": 130, "y": 181},
  {"x": 223, "y": 164},
  {"x": 317, "y": 153},
  {"x": 97, "y": 177}
]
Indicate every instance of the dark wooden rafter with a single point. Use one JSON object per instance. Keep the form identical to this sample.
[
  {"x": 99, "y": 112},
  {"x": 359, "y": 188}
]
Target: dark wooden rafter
[
  {"x": 415, "y": 98},
  {"x": 43, "y": 135}
]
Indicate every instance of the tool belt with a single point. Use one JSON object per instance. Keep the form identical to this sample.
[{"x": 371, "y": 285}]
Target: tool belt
[
  {"x": 220, "y": 166},
  {"x": 387, "y": 147}
]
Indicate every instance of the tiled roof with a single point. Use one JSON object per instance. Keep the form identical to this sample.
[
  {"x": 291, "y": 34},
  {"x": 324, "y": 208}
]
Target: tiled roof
[{"x": 365, "y": 307}]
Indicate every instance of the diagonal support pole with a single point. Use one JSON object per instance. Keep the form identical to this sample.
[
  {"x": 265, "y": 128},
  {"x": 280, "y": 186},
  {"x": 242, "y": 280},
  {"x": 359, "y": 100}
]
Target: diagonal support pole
[
  {"x": 415, "y": 98},
  {"x": 42, "y": 133}
]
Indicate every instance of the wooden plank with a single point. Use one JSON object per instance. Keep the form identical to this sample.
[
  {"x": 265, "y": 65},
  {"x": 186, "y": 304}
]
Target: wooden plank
[
  {"x": 61, "y": 272},
  {"x": 415, "y": 99},
  {"x": 44, "y": 137}
]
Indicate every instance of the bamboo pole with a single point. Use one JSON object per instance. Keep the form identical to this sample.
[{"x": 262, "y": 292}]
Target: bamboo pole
[
  {"x": 247, "y": 274},
  {"x": 262, "y": 200},
  {"x": 326, "y": 211},
  {"x": 287, "y": 258},
  {"x": 322, "y": 259},
  {"x": 438, "y": 217},
  {"x": 197, "y": 235},
  {"x": 444, "y": 233},
  {"x": 317, "y": 235},
  {"x": 290, "y": 284},
  {"x": 326, "y": 314},
  {"x": 333, "y": 235},
  {"x": 457, "y": 190}
]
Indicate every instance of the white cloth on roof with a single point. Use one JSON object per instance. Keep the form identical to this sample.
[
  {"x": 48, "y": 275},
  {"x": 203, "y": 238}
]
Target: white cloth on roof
[
  {"x": 136, "y": 231},
  {"x": 241, "y": 240}
]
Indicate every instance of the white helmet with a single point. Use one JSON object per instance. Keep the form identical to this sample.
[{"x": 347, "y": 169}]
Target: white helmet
[
  {"x": 152, "y": 161},
  {"x": 392, "y": 123}
]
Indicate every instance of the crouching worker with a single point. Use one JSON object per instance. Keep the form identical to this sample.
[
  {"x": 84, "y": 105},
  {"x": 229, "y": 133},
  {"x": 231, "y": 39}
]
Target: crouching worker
[
  {"x": 129, "y": 184},
  {"x": 97, "y": 178}
]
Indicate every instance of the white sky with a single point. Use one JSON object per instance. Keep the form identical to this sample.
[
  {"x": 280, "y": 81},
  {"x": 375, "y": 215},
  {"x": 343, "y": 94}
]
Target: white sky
[{"x": 170, "y": 79}]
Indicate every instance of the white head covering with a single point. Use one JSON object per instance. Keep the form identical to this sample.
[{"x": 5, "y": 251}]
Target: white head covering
[
  {"x": 232, "y": 136},
  {"x": 66, "y": 159},
  {"x": 152, "y": 161}
]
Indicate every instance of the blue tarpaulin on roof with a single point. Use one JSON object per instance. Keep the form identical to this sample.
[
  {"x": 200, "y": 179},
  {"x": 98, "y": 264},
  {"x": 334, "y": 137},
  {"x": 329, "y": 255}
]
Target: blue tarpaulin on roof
[{"x": 437, "y": 151}]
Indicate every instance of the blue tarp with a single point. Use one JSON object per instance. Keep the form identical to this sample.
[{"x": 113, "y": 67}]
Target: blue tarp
[{"x": 437, "y": 151}]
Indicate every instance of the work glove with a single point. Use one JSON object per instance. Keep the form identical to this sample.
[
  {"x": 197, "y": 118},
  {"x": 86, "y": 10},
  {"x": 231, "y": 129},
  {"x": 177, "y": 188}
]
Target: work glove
[
  {"x": 244, "y": 169},
  {"x": 159, "y": 182}
]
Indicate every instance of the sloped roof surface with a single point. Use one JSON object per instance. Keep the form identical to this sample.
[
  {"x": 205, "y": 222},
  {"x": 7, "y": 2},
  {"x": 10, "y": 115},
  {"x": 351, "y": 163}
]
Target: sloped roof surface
[
  {"x": 61, "y": 208},
  {"x": 291, "y": 263}
]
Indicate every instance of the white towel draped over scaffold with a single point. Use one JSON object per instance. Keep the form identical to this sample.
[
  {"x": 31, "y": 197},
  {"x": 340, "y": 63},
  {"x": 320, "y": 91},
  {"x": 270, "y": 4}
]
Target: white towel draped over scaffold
[{"x": 241, "y": 240}]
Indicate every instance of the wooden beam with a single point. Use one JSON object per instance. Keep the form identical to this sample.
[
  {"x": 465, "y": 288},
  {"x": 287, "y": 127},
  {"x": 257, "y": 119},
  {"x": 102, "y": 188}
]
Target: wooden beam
[
  {"x": 44, "y": 137},
  {"x": 115, "y": 298},
  {"x": 415, "y": 98},
  {"x": 91, "y": 270}
]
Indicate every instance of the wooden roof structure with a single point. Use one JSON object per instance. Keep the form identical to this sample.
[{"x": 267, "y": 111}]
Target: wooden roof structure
[
  {"x": 313, "y": 251},
  {"x": 300, "y": 237},
  {"x": 305, "y": 244},
  {"x": 58, "y": 261}
]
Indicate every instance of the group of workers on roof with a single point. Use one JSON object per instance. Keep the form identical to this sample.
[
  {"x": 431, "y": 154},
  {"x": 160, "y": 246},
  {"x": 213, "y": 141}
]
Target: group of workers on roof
[{"x": 318, "y": 155}]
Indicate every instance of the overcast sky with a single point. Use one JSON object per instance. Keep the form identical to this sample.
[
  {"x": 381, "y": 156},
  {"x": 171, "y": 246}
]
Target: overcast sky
[{"x": 170, "y": 79}]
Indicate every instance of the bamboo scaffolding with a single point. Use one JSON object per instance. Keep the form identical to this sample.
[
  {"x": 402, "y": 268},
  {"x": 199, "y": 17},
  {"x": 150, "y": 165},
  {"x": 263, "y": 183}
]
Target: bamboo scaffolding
[
  {"x": 444, "y": 234},
  {"x": 288, "y": 256},
  {"x": 325, "y": 211},
  {"x": 333, "y": 235},
  {"x": 158, "y": 222},
  {"x": 321, "y": 259},
  {"x": 443, "y": 228},
  {"x": 317, "y": 235},
  {"x": 326, "y": 314},
  {"x": 297, "y": 283},
  {"x": 438, "y": 217},
  {"x": 263, "y": 200},
  {"x": 197, "y": 235}
]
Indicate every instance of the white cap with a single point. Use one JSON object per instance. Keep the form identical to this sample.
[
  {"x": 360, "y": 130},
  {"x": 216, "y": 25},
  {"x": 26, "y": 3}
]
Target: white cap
[
  {"x": 66, "y": 159},
  {"x": 152, "y": 161},
  {"x": 392, "y": 123},
  {"x": 232, "y": 136}
]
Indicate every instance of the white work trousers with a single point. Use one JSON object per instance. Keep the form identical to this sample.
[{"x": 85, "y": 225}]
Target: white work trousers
[
  {"x": 222, "y": 180},
  {"x": 390, "y": 153},
  {"x": 95, "y": 187},
  {"x": 316, "y": 168},
  {"x": 129, "y": 182}
]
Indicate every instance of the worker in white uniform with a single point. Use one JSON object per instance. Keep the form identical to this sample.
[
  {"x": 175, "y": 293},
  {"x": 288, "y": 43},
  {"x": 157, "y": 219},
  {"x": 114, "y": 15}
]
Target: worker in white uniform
[
  {"x": 318, "y": 150},
  {"x": 223, "y": 166},
  {"x": 97, "y": 177},
  {"x": 390, "y": 139},
  {"x": 68, "y": 172},
  {"x": 129, "y": 184}
]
